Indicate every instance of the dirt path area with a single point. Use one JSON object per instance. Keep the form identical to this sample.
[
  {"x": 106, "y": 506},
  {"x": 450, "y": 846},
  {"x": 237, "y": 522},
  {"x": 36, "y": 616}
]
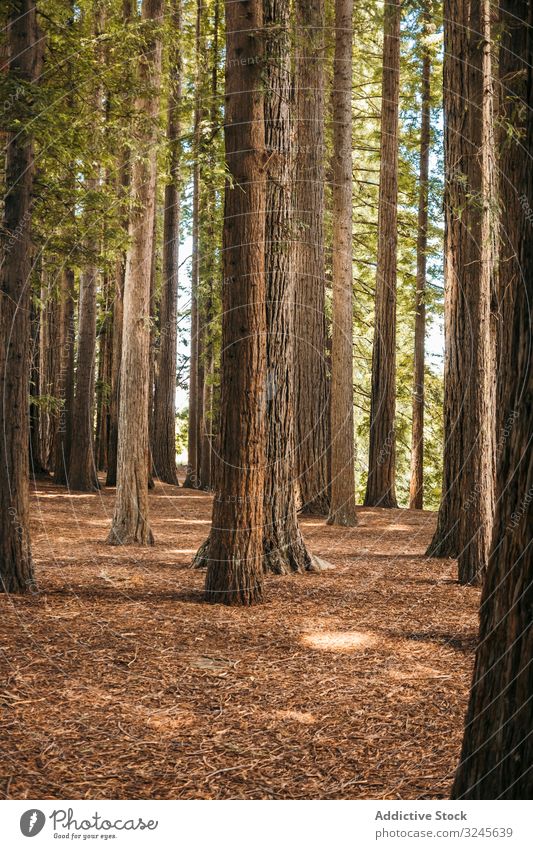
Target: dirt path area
[{"x": 118, "y": 682}]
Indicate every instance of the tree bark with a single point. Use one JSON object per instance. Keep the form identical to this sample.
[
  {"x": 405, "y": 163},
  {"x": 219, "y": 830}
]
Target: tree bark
[
  {"x": 164, "y": 442},
  {"x": 497, "y": 753},
  {"x": 284, "y": 549},
  {"x": 130, "y": 521},
  {"x": 311, "y": 401},
  {"x": 66, "y": 377},
  {"x": 123, "y": 183},
  {"x": 82, "y": 470},
  {"x": 16, "y": 566},
  {"x": 342, "y": 509},
  {"x": 416, "y": 484},
  {"x": 381, "y": 483},
  {"x": 235, "y": 548},
  {"x": 192, "y": 479},
  {"x": 465, "y": 514}
]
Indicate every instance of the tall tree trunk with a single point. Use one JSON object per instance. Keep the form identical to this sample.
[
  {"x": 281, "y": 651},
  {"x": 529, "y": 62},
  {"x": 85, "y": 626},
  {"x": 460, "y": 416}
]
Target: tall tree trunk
[
  {"x": 381, "y": 483},
  {"x": 50, "y": 357},
  {"x": 66, "y": 379},
  {"x": 207, "y": 452},
  {"x": 497, "y": 753},
  {"x": 342, "y": 509},
  {"x": 464, "y": 519},
  {"x": 193, "y": 454},
  {"x": 105, "y": 356},
  {"x": 284, "y": 549},
  {"x": 16, "y": 567},
  {"x": 82, "y": 471},
  {"x": 311, "y": 401},
  {"x": 416, "y": 485},
  {"x": 130, "y": 521},
  {"x": 479, "y": 396},
  {"x": 118, "y": 295},
  {"x": 36, "y": 460},
  {"x": 235, "y": 547},
  {"x": 164, "y": 442}
]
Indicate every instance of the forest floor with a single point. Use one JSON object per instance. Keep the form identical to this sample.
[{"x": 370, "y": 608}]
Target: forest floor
[{"x": 117, "y": 681}]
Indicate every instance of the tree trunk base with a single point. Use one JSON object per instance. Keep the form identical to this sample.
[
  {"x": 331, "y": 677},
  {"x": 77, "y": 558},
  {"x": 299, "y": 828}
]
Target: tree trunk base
[
  {"x": 142, "y": 536},
  {"x": 341, "y": 518},
  {"x": 442, "y": 545},
  {"x": 388, "y": 501}
]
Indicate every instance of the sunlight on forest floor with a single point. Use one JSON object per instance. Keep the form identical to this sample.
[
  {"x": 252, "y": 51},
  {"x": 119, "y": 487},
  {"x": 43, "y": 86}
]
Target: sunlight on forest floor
[{"x": 118, "y": 682}]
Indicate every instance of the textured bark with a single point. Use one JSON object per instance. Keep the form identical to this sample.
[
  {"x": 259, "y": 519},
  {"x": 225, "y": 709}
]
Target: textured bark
[
  {"x": 66, "y": 377},
  {"x": 342, "y": 509},
  {"x": 49, "y": 363},
  {"x": 311, "y": 402},
  {"x": 105, "y": 358},
  {"x": 497, "y": 753},
  {"x": 192, "y": 478},
  {"x": 118, "y": 318},
  {"x": 164, "y": 441},
  {"x": 16, "y": 567},
  {"x": 464, "y": 520},
  {"x": 416, "y": 484},
  {"x": 130, "y": 521},
  {"x": 36, "y": 461},
  {"x": 118, "y": 297},
  {"x": 381, "y": 483},
  {"x": 82, "y": 468},
  {"x": 284, "y": 549},
  {"x": 235, "y": 549}
]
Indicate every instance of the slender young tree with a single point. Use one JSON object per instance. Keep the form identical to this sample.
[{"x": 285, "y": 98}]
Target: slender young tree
[
  {"x": 234, "y": 551},
  {"x": 164, "y": 441},
  {"x": 464, "y": 518},
  {"x": 284, "y": 547},
  {"x": 497, "y": 753},
  {"x": 342, "y": 509},
  {"x": 130, "y": 521},
  {"x": 381, "y": 485},
  {"x": 311, "y": 388},
  {"x": 24, "y": 59},
  {"x": 416, "y": 484}
]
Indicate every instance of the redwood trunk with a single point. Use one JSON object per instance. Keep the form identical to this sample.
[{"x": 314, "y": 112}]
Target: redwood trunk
[
  {"x": 164, "y": 441},
  {"x": 497, "y": 753},
  {"x": 66, "y": 378},
  {"x": 416, "y": 484},
  {"x": 235, "y": 547},
  {"x": 16, "y": 567},
  {"x": 311, "y": 389},
  {"x": 342, "y": 509},
  {"x": 464, "y": 519},
  {"x": 284, "y": 549},
  {"x": 130, "y": 521},
  {"x": 381, "y": 483}
]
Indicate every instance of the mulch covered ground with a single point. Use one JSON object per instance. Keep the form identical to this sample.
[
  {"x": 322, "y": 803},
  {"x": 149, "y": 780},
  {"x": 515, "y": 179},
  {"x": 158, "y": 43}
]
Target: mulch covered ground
[{"x": 118, "y": 682}]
